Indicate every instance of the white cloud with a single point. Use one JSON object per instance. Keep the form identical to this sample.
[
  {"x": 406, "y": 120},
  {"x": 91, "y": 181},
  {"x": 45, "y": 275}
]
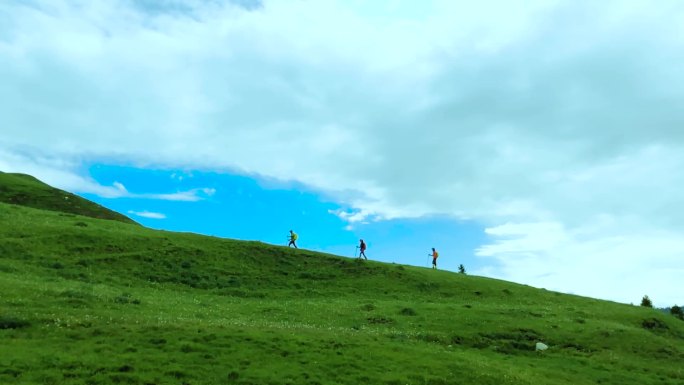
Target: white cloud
[
  {"x": 119, "y": 186},
  {"x": 193, "y": 195},
  {"x": 616, "y": 263},
  {"x": 359, "y": 216},
  {"x": 551, "y": 114},
  {"x": 148, "y": 214},
  {"x": 64, "y": 174}
]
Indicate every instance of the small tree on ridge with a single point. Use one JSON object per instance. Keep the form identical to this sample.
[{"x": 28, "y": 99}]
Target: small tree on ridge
[{"x": 646, "y": 302}]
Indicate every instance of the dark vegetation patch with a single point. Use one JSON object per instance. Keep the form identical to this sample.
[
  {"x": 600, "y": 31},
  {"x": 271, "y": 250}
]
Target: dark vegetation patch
[
  {"x": 428, "y": 286},
  {"x": 205, "y": 338},
  {"x": 431, "y": 337},
  {"x": 408, "y": 312},
  {"x": 10, "y": 372},
  {"x": 576, "y": 347},
  {"x": 124, "y": 378},
  {"x": 654, "y": 324},
  {"x": 509, "y": 344},
  {"x": 7, "y": 269},
  {"x": 176, "y": 373},
  {"x": 380, "y": 320},
  {"x": 76, "y": 294},
  {"x": 456, "y": 339},
  {"x": 8, "y": 322},
  {"x": 83, "y": 263},
  {"x": 242, "y": 293},
  {"x": 513, "y": 341},
  {"x": 158, "y": 341},
  {"x": 187, "y": 277},
  {"x": 189, "y": 348},
  {"x": 126, "y": 298}
]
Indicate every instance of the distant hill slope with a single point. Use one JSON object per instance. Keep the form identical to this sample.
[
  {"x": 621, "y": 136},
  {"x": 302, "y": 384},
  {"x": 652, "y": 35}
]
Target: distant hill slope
[
  {"x": 25, "y": 190},
  {"x": 91, "y": 301}
]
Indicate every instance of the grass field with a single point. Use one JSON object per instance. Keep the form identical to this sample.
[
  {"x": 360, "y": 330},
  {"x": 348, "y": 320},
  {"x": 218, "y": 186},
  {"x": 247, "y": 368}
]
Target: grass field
[{"x": 100, "y": 301}]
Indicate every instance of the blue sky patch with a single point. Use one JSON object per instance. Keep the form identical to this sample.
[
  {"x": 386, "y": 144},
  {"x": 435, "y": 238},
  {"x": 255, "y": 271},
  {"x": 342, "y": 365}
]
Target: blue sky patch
[{"x": 241, "y": 207}]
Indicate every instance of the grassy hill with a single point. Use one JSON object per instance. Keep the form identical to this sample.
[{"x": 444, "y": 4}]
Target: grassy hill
[
  {"x": 25, "y": 190},
  {"x": 91, "y": 301}
]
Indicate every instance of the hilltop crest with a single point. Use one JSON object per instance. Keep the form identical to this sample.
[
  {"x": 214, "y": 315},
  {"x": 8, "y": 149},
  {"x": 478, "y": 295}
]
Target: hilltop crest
[{"x": 26, "y": 190}]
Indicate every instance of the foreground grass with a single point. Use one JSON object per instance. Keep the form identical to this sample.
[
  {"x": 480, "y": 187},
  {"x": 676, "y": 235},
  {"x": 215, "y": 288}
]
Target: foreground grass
[{"x": 90, "y": 301}]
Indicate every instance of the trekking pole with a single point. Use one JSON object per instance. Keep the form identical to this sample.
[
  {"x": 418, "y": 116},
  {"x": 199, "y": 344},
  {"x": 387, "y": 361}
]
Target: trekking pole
[{"x": 355, "y": 250}]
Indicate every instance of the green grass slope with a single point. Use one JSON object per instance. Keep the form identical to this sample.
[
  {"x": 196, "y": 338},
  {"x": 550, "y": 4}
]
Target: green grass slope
[
  {"x": 89, "y": 301},
  {"x": 25, "y": 190}
]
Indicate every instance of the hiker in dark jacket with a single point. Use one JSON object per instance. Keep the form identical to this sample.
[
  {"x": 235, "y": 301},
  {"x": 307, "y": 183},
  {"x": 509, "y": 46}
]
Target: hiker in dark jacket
[{"x": 362, "y": 247}]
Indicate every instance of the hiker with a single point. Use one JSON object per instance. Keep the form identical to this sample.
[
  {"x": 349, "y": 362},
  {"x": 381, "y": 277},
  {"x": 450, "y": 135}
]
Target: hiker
[
  {"x": 434, "y": 256},
  {"x": 293, "y": 238},
  {"x": 362, "y": 247}
]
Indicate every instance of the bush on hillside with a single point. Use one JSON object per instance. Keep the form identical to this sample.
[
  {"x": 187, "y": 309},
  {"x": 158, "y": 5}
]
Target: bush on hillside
[
  {"x": 646, "y": 302},
  {"x": 677, "y": 312}
]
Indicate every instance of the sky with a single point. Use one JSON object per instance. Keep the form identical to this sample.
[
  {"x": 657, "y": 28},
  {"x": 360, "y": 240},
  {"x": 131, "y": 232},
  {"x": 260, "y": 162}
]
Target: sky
[{"x": 540, "y": 142}]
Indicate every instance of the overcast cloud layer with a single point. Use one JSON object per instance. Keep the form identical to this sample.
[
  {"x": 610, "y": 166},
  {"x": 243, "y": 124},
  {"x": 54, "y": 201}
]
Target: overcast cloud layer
[{"x": 557, "y": 125}]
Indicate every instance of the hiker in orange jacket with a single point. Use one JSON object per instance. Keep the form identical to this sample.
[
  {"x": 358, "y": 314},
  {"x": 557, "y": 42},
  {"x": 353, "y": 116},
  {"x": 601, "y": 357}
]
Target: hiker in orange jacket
[{"x": 434, "y": 256}]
